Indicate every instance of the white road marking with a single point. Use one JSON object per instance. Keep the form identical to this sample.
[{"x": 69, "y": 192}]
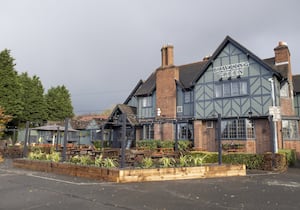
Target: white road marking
[
  {"x": 284, "y": 184},
  {"x": 17, "y": 172}
]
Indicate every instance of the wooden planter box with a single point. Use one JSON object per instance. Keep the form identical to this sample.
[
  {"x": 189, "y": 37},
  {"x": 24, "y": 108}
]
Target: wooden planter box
[{"x": 130, "y": 174}]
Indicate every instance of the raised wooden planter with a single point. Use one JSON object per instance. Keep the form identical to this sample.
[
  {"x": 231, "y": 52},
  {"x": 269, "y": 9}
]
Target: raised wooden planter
[{"x": 130, "y": 174}]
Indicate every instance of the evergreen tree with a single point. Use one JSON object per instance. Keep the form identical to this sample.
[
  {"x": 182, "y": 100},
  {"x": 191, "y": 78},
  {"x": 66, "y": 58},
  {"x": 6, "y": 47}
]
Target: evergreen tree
[
  {"x": 59, "y": 103},
  {"x": 35, "y": 108},
  {"x": 10, "y": 98},
  {"x": 4, "y": 119}
]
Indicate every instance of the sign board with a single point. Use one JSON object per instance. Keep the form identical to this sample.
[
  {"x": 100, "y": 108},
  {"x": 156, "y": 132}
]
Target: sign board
[
  {"x": 231, "y": 70},
  {"x": 276, "y": 112}
]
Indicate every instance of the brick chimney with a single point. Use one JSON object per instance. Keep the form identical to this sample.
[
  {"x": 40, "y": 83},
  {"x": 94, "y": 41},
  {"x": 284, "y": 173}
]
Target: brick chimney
[
  {"x": 282, "y": 54},
  {"x": 167, "y": 57},
  {"x": 165, "y": 84},
  {"x": 282, "y": 58},
  {"x": 283, "y": 65}
]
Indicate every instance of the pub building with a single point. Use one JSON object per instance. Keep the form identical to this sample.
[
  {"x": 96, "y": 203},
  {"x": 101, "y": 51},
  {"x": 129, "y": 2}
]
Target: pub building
[{"x": 257, "y": 101}]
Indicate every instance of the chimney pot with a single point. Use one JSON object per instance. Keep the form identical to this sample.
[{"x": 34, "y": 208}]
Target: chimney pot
[
  {"x": 167, "y": 56},
  {"x": 282, "y": 43}
]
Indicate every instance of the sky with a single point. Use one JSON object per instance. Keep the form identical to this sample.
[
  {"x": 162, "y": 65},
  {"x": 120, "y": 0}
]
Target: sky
[{"x": 100, "y": 49}]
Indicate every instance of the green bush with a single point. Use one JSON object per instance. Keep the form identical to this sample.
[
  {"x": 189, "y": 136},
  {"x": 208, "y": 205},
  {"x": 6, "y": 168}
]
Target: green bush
[
  {"x": 252, "y": 161},
  {"x": 83, "y": 160},
  {"x": 149, "y": 144},
  {"x": 147, "y": 162},
  {"x": 184, "y": 160},
  {"x": 290, "y": 156},
  {"x": 167, "y": 162},
  {"x": 166, "y": 144},
  {"x": 37, "y": 155},
  {"x": 211, "y": 157},
  {"x": 184, "y": 145}
]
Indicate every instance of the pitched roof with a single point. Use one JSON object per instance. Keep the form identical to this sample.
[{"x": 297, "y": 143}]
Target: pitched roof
[
  {"x": 296, "y": 83},
  {"x": 281, "y": 69},
  {"x": 147, "y": 87},
  {"x": 129, "y": 110},
  {"x": 190, "y": 73},
  {"x": 133, "y": 92}
]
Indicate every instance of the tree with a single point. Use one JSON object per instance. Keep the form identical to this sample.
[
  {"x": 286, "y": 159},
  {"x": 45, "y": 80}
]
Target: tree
[
  {"x": 4, "y": 119},
  {"x": 59, "y": 104},
  {"x": 10, "y": 98},
  {"x": 32, "y": 91}
]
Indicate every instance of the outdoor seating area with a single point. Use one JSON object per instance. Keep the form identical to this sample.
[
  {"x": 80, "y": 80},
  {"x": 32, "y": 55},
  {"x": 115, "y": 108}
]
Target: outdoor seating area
[{"x": 133, "y": 156}]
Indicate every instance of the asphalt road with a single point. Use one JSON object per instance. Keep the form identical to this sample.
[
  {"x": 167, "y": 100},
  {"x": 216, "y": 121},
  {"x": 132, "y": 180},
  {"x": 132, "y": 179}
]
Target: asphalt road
[{"x": 24, "y": 190}]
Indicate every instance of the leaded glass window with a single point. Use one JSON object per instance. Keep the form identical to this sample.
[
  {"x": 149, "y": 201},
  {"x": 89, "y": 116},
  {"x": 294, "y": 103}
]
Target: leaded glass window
[{"x": 237, "y": 129}]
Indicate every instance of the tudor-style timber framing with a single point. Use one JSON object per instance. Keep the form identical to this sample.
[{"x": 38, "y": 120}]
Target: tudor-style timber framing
[{"x": 185, "y": 100}]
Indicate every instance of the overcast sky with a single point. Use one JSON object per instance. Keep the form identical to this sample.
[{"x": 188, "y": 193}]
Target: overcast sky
[{"x": 100, "y": 49}]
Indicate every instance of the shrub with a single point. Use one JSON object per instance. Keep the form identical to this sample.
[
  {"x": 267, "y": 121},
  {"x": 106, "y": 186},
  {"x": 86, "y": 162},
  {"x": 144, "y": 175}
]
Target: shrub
[
  {"x": 166, "y": 162},
  {"x": 198, "y": 160},
  {"x": 106, "y": 162},
  {"x": 165, "y": 144},
  {"x": 147, "y": 162},
  {"x": 290, "y": 156},
  {"x": 53, "y": 156},
  {"x": 37, "y": 155},
  {"x": 83, "y": 160},
  {"x": 184, "y": 145},
  {"x": 252, "y": 161},
  {"x": 149, "y": 144},
  {"x": 185, "y": 160},
  {"x": 75, "y": 159}
]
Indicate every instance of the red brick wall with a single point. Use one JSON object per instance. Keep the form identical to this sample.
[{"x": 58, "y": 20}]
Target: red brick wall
[
  {"x": 168, "y": 131},
  {"x": 158, "y": 131},
  {"x": 166, "y": 91},
  {"x": 287, "y": 106}
]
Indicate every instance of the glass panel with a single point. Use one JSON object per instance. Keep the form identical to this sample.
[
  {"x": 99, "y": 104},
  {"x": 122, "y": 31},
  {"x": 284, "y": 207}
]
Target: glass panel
[
  {"x": 290, "y": 129},
  {"x": 250, "y": 128},
  {"x": 187, "y": 97},
  {"x": 237, "y": 129},
  {"x": 243, "y": 88},
  {"x": 235, "y": 89},
  {"x": 226, "y": 89},
  {"x": 218, "y": 91}
]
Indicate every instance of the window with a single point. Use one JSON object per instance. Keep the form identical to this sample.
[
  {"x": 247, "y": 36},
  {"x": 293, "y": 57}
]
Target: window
[
  {"x": 147, "y": 101},
  {"x": 218, "y": 91},
  {"x": 237, "y": 129},
  {"x": 148, "y": 131},
  {"x": 290, "y": 129},
  {"x": 188, "y": 97},
  {"x": 209, "y": 124},
  {"x": 229, "y": 89},
  {"x": 185, "y": 131}
]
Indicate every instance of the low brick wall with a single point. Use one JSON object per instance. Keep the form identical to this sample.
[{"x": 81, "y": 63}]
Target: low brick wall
[{"x": 132, "y": 175}]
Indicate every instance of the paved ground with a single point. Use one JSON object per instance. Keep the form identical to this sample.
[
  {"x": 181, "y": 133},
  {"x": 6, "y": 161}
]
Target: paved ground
[{"x": 24, "y": 190}]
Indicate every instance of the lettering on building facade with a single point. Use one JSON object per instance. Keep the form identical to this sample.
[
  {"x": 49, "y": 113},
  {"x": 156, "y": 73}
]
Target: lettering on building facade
[{"x": 231, "y": 70}]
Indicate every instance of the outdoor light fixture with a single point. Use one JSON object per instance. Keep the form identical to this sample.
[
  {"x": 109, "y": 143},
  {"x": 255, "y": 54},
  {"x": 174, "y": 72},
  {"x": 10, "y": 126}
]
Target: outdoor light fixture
[{"x": 158, "y": 112}]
